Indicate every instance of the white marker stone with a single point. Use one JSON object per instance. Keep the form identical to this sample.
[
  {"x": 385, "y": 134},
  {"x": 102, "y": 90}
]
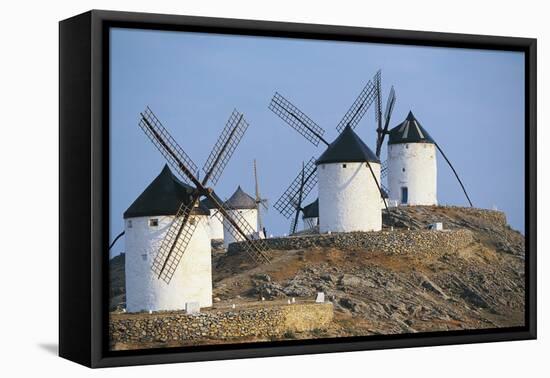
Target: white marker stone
[
  {"x": 293, "y": 300},
  {"x": 233, "y": 305},
  {"x": 320, "y": 298},
  {"x": 192, "y": 308}
]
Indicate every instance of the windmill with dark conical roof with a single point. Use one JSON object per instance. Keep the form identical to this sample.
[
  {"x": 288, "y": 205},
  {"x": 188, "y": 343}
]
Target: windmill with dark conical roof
[
  {"x": 412, "y": 164},
  {"x": 146, "y": 222},
  {"x": 348, "y": 150},
  {"x": 176, "y": 263},
  {"x": 244, "y": 206}
]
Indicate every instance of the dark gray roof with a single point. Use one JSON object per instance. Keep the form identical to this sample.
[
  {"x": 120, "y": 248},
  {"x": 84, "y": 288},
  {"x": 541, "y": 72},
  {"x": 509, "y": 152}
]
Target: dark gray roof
[
  {"x": 409, "y": 131},
  {"x": 241, "y": 200},
  {"x": 311, "y": 210},
  {"x": 163, "y": 196},
  {"x": 348, "y": 147}
]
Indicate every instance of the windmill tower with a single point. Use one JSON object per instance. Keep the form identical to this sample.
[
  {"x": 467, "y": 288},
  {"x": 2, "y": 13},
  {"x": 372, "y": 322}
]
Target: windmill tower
[
  {"x": 412, "y": 165},
  {"x": 146, "y": 223},
  {"x": 290, "y": 203},
  {"x": 349, "y": 194},
  {"x": 361, "y": 192},
  {"x": 215, "y": 222},
  {"x": 243, "y": 205},
  {"x": 168, "y": 254}
]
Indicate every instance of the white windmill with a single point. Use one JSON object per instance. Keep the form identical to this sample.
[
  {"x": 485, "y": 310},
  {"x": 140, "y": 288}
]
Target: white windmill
[
  {"x": 412, "y": 165},
  {"x": 348, "y": 172},
  {"x": 244, "y": 206},
  {"x": 349, "y": 192},
  {"x": 146, "y": 223},
  {"x": 168, "y": 253}
]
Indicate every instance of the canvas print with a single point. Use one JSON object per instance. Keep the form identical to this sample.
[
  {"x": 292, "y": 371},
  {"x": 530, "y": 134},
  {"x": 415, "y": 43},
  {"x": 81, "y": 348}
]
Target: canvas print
[{"x": 270, "y": 189}]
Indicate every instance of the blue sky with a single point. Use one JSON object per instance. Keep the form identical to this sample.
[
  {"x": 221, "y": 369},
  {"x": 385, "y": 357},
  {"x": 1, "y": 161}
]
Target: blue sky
[{"x": 470, "y": 101}]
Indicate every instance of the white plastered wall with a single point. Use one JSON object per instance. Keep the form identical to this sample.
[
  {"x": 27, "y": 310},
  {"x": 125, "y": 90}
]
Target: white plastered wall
[
  {"x": 250, "y": 215},
  {"x": 414, "y": 166},
  {"x": 192, "y": 280},
  {"x": 216, "y": 226},
  {"x": 349, "y": 199}
]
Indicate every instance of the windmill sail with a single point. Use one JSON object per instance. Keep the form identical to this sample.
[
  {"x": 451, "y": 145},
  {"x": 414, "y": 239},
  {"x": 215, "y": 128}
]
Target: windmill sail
[
  {"x": 175, "y": 242},
  {"x": 296, "y": 119},
  {"x": 360, "y": 106},
  {"x": 224, "y": 148},
  {"x": 286, "y": 204},
  {"x": 387, "y": 117},
  {"x": 181, "y": 230},
  {"x": 168, "y": 147}
]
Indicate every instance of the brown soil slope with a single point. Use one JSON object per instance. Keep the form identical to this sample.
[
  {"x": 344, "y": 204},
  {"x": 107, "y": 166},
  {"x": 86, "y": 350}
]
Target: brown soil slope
[{"x": 480, "y": 286}]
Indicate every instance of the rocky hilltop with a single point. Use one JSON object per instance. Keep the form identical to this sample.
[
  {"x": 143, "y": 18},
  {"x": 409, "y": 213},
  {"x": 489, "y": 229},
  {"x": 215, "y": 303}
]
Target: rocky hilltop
[
  {"x": 476, "y": 283},
  {"x": 378, "y": 290}
]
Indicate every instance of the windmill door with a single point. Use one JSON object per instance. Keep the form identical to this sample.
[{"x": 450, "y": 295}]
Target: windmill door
[{"x": 404, "y": 195}]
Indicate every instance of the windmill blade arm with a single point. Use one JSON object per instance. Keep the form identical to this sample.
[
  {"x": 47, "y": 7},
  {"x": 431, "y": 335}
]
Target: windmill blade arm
[
  {"x": 387, "y": 117},
  {"x": 456, "y": 174},
  {"x": 378, "y": 109},
  {"x": 390, "y": 104},
  {"x": 239, "y": 228},
  {"x": 294, "y": 222},
  {"x": 296, "y": 119},
  {"x": 379, "y": 187},
  {"x": 168, "y": 147},
  {"x": 175, "y": 242},
  {"x": 360, "y": 106},
  {"x": 286, "y": 204},
  {"x": 224, "y": 148}
]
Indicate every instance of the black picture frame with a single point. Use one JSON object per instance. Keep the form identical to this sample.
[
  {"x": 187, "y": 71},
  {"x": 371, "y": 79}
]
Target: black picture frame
[{"x": 83, "y": 180}]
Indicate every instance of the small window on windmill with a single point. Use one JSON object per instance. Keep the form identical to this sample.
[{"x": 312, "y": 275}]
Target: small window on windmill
[
  {"x": 403, "y": 169},
  {"x": 153, "y": 222},
  {"x": 192, "y": 221},
  {"x": 344, "y": 165},
  {"x": 406, "y": 146},
  {"x": 129, "y": 223}
]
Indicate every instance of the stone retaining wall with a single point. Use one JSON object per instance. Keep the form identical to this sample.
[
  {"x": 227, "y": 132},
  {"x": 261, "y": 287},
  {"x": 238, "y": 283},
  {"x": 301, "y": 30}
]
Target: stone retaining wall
[
  {"x": 391, "y": 242},
  {"x": 259, "y": 321}
]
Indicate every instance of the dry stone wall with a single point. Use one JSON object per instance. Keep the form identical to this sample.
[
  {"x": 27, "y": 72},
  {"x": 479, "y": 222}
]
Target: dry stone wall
[
  {"x": 262, "y": 322},
  {"x": 391, "y": 242}
]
